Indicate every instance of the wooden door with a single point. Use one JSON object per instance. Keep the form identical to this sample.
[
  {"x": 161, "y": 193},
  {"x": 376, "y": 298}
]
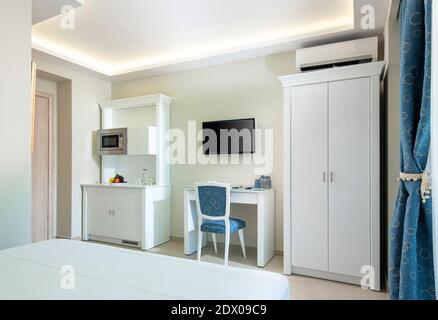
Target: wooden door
[
  {"x": 309, "y": 186},
  {"x": 349, "y": 164},
  {"x": 41, "y": 219}
]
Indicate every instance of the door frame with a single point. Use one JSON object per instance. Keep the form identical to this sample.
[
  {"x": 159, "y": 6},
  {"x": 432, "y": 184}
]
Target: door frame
[{"x": 52, "y": 192}]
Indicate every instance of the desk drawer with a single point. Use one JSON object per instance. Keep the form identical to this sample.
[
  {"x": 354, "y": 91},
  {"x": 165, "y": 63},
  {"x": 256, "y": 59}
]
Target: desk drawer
[
  {"x": 236, "y": 197},
  {"x": 244, "y": 198}
]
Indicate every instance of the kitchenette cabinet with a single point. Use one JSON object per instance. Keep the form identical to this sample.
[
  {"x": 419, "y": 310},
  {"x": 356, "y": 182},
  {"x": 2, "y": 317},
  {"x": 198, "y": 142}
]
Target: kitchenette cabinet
[
  {"x": 136, "y": 213},
  {"x": 129, "y": 215}
]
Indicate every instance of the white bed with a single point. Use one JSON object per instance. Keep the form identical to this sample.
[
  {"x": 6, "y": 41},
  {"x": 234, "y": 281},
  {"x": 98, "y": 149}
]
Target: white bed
[{"x": 103, "y": 272}]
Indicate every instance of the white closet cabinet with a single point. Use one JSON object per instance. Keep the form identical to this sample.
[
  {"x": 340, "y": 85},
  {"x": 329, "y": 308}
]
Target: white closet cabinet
[{"x": 332, "y": 174}]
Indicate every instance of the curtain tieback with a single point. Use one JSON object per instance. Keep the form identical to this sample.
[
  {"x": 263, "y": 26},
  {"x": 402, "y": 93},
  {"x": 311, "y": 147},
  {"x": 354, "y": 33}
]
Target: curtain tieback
[{"x": 426, "y": 183}]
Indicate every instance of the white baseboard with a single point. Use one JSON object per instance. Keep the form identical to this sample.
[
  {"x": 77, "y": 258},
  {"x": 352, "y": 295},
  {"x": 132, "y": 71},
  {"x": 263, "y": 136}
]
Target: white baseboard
[{"x": 79, "y": 238}]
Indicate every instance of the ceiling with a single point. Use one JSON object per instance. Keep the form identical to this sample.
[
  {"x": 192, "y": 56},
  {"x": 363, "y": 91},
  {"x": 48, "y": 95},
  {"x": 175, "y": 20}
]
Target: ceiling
[
  {"x": 119, "y": 38},
  {"x": 46, "y": 9}
]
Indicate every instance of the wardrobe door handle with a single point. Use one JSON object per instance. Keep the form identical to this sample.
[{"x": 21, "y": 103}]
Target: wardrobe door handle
[
  {"x": 324, "y": 174},
  {"x": 331, "y": 176}
]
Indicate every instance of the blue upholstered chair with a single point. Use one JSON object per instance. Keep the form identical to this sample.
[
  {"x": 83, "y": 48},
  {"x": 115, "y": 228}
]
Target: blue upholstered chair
[{"x": 213, "y": 206}]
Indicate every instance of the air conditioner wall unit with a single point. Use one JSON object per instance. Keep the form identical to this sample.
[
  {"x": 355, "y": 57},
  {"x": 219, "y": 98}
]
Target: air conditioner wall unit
[{"x": 337, "y": 54}]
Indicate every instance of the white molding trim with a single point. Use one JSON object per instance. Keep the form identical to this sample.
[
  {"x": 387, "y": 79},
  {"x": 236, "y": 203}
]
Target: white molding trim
[
  {"x": 69, "y": 238},
  {"x": 287, "y": 173},
  {"x": 334, "y": 74},
  {"x": 136, "y": 102}
]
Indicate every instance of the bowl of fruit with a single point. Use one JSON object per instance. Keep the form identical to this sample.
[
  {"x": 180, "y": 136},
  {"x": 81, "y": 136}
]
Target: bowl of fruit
[{"x": 117, "y": 179}]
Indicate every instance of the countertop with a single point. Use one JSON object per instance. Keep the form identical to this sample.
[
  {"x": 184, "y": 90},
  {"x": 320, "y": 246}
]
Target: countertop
[{"x": 122, "y": 185}]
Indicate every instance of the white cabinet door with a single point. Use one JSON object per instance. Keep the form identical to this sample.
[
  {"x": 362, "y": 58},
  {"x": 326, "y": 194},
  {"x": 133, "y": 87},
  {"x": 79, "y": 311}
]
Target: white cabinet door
[
  {"x": 128, "y": 208},
  {"x": 309, "y": 186},
  {"x": 142, "y": 141},
  {"x": 349, "y": 163},
  {"x": 99, "y": 207}
]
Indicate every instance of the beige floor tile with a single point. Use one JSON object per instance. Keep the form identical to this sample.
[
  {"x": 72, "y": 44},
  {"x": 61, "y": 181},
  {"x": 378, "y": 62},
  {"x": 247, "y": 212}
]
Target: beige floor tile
[{"x": 302, "y": 288}]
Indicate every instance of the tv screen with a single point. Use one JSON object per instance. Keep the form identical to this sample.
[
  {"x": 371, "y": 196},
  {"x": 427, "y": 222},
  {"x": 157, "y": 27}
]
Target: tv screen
[{"x": 229, "y": 136}]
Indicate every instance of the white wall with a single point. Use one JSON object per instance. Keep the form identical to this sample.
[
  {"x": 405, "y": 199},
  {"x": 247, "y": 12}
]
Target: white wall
[
  {"x": 87, "y": 91},
  {"x": 15, "y": 128},
  {"x": 235, "y": 90},
  {"x": 64, "y": 159}
]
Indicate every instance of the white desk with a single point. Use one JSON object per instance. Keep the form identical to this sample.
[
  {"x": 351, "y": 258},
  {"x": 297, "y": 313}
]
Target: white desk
[{"x": 265, "y": 202}]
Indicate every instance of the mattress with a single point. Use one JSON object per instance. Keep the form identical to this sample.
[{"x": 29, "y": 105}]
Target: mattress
[{"x": 66, "y": 269}]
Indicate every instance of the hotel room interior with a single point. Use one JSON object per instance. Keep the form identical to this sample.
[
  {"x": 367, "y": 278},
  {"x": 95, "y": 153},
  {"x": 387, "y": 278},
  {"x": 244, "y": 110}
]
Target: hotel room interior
[{"x": 218, "y": 150}]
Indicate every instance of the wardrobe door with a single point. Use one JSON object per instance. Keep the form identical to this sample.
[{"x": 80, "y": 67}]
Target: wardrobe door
[
  {"x": 309, "y": 186},
  {"x": 349, "y": 165}
]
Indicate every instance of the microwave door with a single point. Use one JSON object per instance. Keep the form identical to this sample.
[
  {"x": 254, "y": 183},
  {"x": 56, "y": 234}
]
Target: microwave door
[{"x": 110, "y": 142}]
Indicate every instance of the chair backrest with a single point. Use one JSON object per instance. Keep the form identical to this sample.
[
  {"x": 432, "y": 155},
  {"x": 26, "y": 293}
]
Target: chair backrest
[{"x": 213, "y": 200}]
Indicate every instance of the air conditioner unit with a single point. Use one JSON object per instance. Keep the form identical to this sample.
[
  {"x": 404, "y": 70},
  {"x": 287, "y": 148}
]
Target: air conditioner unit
[{"x": 337, "y": 54}]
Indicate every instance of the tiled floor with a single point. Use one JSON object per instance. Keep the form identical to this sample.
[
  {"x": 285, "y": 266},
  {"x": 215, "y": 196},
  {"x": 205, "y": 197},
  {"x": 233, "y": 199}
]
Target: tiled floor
[{"x": 302, "y": 288}]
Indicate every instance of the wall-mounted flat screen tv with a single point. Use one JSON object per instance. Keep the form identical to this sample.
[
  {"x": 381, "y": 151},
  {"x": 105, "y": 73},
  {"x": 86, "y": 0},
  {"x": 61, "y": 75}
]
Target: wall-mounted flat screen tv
[{"x": 229, "y": 137}]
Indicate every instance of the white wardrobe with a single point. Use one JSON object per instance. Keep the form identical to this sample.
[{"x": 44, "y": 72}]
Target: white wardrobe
[{"x": 332, "y": 174}]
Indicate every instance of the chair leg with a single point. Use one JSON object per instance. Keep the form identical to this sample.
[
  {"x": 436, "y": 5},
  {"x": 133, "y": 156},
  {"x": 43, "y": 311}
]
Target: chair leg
[
  {"x": 227, "y": 247},
  {"x": 242, "y": 242},
  {"x": 199, "y": 244},
  {"x": 214, "y": 241}
]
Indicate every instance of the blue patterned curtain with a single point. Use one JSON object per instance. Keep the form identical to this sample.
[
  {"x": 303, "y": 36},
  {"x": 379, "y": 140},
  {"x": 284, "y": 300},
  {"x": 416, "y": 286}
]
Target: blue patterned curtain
[{"x": 411, "y": 256}]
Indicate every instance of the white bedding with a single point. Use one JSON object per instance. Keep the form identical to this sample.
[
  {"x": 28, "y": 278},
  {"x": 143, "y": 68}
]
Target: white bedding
[{"x": 103, "y": 272}]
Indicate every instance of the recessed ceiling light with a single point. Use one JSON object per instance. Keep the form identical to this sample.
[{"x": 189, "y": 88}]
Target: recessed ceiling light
[{"x": 200, "y": 52}]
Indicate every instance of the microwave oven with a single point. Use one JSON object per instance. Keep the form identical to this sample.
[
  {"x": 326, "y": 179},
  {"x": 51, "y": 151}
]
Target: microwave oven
[{"x": 112, "y": 142}]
